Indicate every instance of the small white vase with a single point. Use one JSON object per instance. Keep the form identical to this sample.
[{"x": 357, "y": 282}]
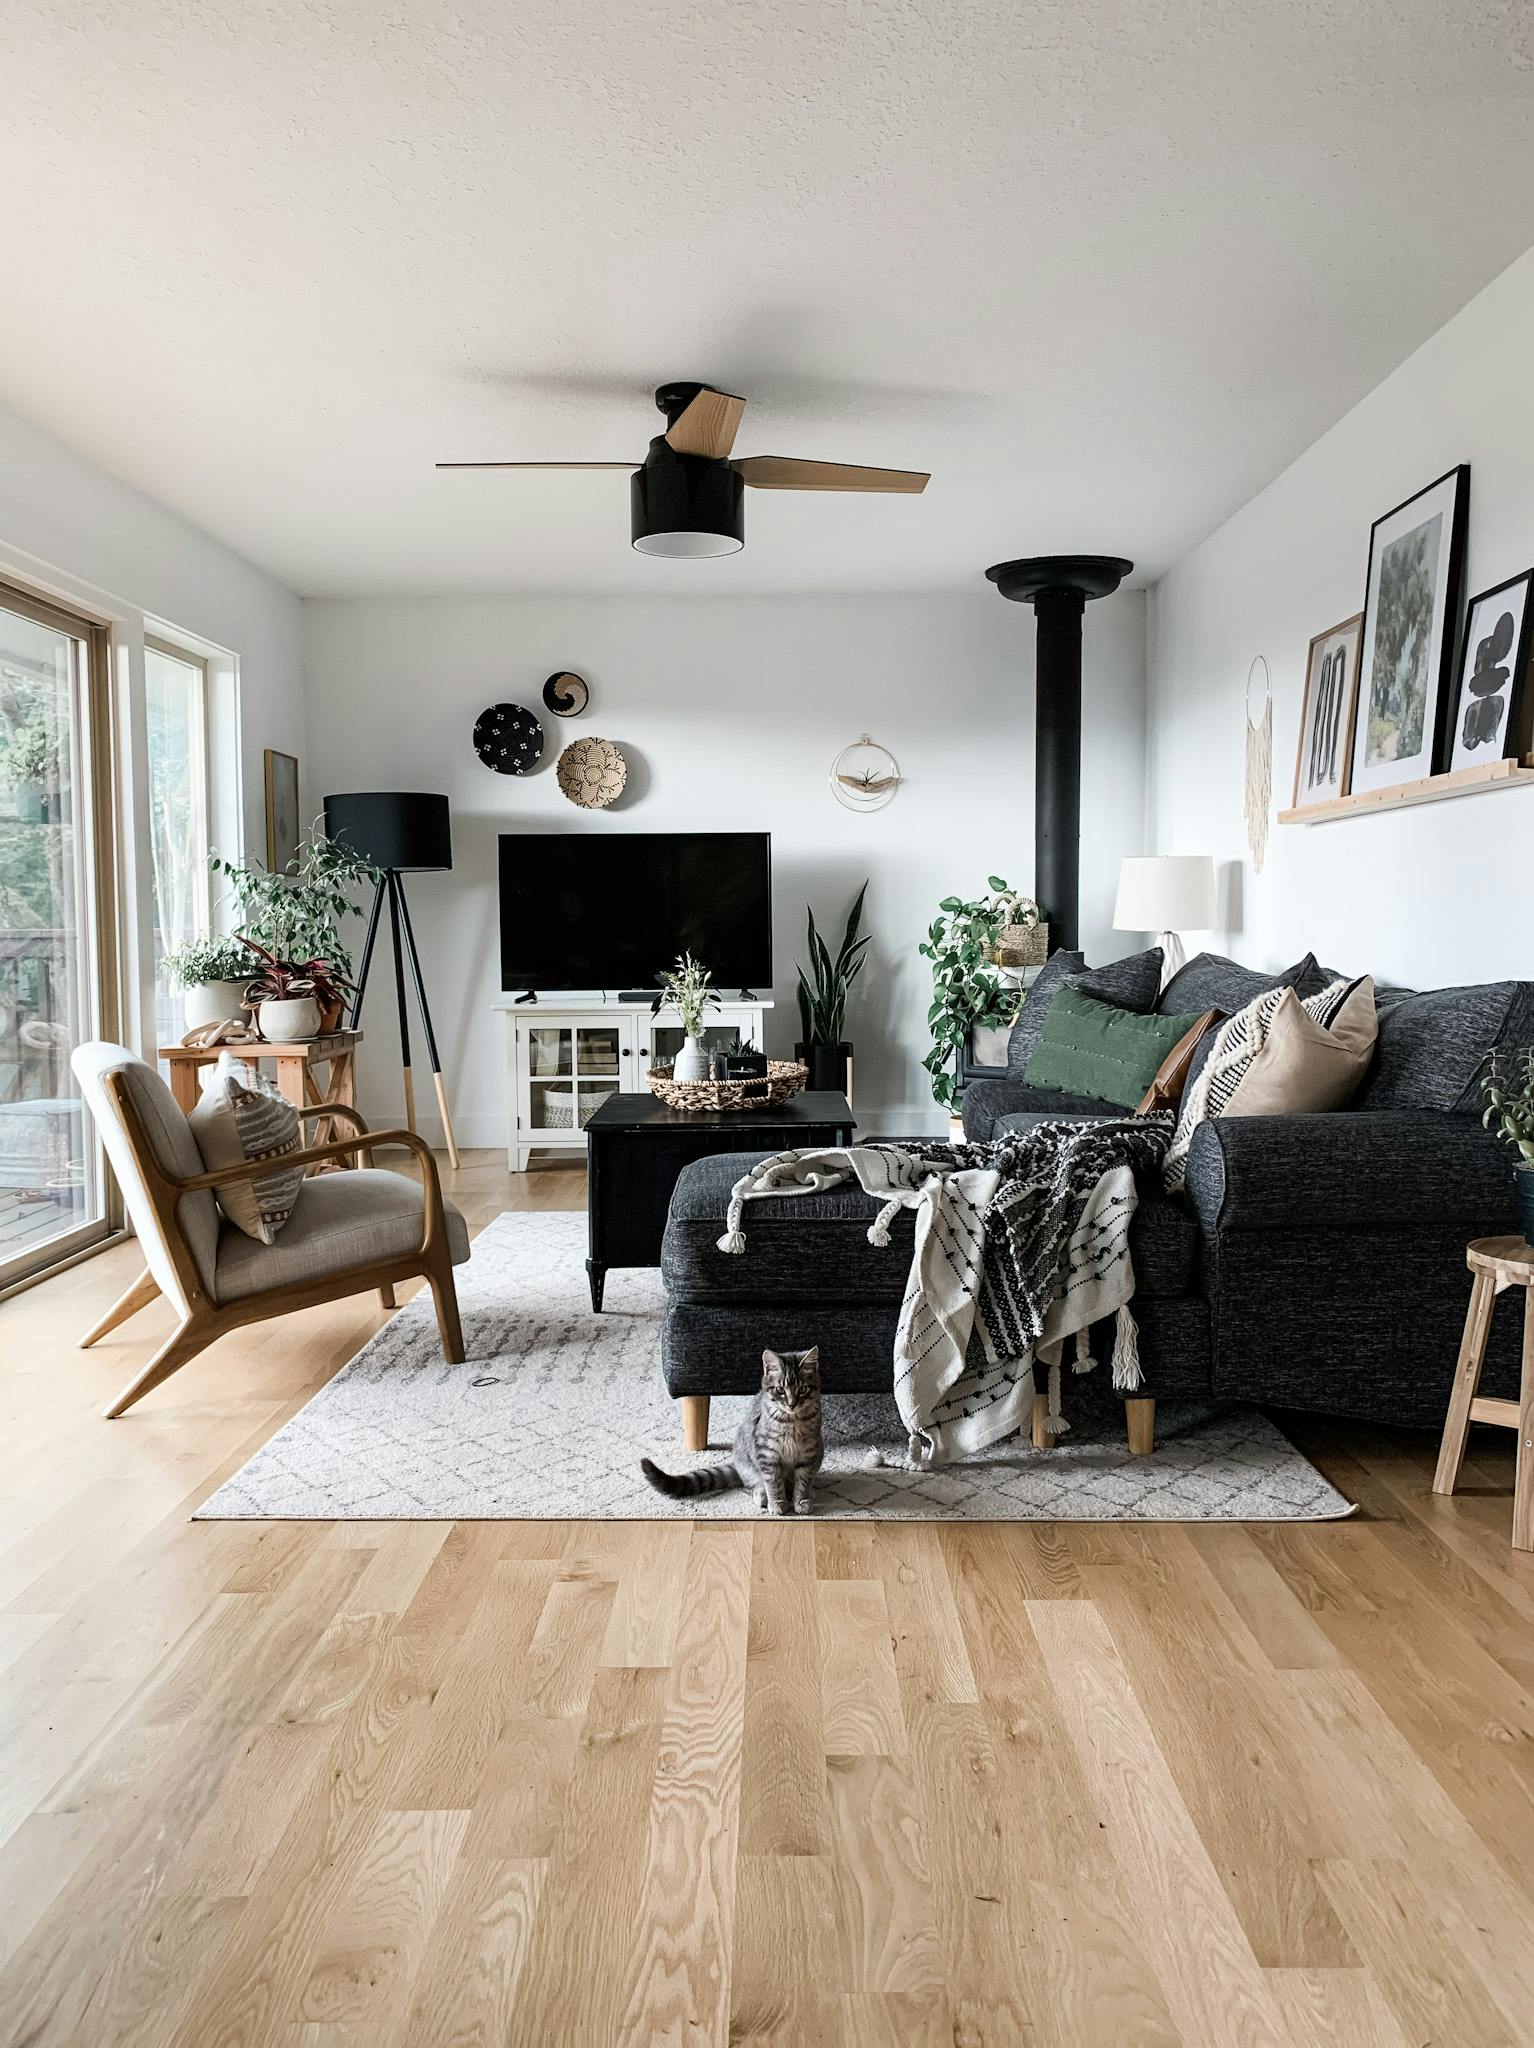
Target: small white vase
[
  {"x": 691, "y": 1063},
  {"x": 213, "y": 1002},
  {"x": 283, "y": 1022}
]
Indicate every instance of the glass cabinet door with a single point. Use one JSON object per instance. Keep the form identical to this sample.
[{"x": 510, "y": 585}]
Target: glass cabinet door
[{"x": 571, "y": 1069}]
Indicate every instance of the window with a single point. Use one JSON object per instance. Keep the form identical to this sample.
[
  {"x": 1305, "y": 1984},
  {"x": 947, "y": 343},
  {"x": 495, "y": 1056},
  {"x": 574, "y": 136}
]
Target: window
[
  {"x": 56, "y": 921},
  {"x": 176, "y": 718}
]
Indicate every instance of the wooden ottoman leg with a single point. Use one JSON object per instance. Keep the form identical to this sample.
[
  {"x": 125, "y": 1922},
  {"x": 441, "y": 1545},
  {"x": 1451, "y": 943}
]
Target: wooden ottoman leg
[
  {"x": 1140, "y": 1417},
  {"x": 1467, "y": 1377},
  {"x": 695, "y": 1422},
  {"x": 1523, "y": 1481},
  {"x": 1042, "y": 1439}
]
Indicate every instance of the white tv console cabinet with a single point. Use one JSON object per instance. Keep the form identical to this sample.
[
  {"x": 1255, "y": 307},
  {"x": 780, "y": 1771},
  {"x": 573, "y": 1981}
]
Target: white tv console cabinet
[{"x": 566, "y": 1054}]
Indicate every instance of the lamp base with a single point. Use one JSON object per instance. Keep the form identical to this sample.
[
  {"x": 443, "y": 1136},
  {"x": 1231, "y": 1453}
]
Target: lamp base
[{"x": 1175, "y": 955}]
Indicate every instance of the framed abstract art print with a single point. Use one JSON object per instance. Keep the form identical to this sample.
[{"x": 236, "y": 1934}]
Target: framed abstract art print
[
  {"x": 1493, "y": 710},
  {"x": 1325, "y": 760},
  {"x": 1411, "y": 614}
]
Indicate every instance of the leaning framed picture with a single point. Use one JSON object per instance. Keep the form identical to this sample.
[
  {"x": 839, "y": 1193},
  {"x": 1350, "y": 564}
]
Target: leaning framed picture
[
  {"x": 1411, "y": 614},
  {"x": 1493, "y": 710},
  {"x": 1325, "y": 759},
  {"x": 282, "y": 826}
]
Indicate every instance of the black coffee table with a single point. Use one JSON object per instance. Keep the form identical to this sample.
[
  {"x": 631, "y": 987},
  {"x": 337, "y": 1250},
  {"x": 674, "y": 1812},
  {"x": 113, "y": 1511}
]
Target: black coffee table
[{"x": 636, "y": 1147}]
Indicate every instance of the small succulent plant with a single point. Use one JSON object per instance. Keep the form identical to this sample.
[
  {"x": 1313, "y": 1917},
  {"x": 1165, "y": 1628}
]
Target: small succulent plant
[{"x": 1507, "y": 1089}]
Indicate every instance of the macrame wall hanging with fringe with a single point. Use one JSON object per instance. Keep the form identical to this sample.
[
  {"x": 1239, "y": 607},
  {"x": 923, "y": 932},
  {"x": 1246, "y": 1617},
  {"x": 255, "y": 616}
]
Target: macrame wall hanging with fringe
[{"x": 1259, "y": 760}]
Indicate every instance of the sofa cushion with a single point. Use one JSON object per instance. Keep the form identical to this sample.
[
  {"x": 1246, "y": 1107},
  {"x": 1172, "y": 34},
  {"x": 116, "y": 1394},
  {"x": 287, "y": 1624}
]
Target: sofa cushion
[
  {"x": 1211, "y": 982},
  {"x": 1433, "y": 1046},
  {"x": 990, "y": 1104},
  {"x": 1309, "y": 1063},
  {"x": 1128, "y": 984},
  {"x": 803, "y": 1248},
  {"x": 1096, "y": 1049}
]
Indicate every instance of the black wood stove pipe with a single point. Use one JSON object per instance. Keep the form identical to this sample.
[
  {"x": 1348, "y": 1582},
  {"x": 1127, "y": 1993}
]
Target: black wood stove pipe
[{"x": 1058, "y": 587}]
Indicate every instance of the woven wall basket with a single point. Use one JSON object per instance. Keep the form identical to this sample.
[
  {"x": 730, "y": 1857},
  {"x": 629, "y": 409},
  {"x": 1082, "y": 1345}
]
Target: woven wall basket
[
  {"x": 1022, "y": 945},
  {"x": 784, "y": 1078}
]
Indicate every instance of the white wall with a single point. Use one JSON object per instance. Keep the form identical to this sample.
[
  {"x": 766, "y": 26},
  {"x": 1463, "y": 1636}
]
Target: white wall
[
  {"x": 729, "y": 710},
  {"x": 69, "y": 530},
  {"x": 1429, "y": 895}
]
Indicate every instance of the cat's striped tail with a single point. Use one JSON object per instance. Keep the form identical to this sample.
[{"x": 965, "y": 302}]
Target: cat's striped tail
[{"x": 683, "y": 1485}]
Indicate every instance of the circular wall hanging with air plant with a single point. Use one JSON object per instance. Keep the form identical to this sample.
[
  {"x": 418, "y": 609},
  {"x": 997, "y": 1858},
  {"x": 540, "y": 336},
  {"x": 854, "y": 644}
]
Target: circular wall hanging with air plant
[
  {"x": 592, "y": 773},
  {"x": 565, "y": 694},
  {"x": 865, "y": 776},
  {"x": 509, "y": 739}
]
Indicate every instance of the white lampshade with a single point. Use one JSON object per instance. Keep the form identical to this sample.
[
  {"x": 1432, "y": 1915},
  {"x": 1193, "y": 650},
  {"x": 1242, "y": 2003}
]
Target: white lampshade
[{"x": 1165, "y": 892}]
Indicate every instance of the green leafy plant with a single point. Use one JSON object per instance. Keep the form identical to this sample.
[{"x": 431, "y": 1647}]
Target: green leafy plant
[
  {"x": 966, "y": 990},
  {"x": 298, "y": 915},
  {"x": 688, "y": 989},
  {"x": 205, "y": 959},
  {"x": 823, "y": 999},
  {"x": 1507, "y": 1089}
]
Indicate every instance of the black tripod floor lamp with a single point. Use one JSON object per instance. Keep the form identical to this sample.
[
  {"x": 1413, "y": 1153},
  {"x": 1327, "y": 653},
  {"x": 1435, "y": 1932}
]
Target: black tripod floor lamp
[{"x": 403, "y": 832}]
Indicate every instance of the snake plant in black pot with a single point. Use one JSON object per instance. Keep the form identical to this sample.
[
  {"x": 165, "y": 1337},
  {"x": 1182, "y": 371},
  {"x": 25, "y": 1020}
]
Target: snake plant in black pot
[{"x": 823, "y": 992}]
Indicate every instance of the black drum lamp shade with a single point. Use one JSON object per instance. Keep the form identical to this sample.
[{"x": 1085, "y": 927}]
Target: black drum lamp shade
[
  {"x": 406, "y": 830},
  {"x": 686, "y": 506}
]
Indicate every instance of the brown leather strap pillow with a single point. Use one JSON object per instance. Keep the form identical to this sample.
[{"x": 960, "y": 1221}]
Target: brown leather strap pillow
[{"x": 1165, "y": 1092}]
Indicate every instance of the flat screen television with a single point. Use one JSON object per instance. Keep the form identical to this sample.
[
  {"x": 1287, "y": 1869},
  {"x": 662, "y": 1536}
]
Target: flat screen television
[{"x": 613, "y": 910}]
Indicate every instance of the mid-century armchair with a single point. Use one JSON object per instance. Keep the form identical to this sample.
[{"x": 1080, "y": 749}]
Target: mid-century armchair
[{"x": 348, "y": 1231}]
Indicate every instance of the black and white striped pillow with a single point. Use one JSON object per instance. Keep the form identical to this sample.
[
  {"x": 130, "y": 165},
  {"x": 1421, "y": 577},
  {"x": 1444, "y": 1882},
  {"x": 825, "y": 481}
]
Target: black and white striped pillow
[{"x": 1238, "y": 1042}]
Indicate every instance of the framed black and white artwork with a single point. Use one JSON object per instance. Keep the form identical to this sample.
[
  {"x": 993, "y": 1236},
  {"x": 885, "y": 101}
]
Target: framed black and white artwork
[
  {"x": 1411, "y": 612},
  {"x": 1325, "y": 759},
  {"x": 1494, "y": 704}
]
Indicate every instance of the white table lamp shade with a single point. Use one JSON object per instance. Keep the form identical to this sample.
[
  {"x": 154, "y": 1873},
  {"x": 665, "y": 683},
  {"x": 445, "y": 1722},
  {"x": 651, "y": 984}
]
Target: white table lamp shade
[{"x": 1171, "y": 892}]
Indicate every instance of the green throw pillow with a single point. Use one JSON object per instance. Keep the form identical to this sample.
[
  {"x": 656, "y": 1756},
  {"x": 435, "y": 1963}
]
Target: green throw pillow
[{"x": 1091, "y": 1048}]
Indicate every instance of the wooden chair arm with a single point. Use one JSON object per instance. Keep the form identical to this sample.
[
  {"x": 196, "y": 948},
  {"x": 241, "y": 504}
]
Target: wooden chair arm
[{"x": 434, "y": 1218}]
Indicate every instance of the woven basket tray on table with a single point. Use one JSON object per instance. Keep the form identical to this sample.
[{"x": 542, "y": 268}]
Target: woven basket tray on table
[{"x": 783, "y": 1079}]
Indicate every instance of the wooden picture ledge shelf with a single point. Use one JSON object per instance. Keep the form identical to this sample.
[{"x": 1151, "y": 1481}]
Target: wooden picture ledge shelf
[{"x": 1431, "y": 789}]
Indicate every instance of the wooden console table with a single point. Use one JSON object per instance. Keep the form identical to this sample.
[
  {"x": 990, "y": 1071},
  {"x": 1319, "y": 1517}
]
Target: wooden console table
[{"x": 295, "y": 1061}]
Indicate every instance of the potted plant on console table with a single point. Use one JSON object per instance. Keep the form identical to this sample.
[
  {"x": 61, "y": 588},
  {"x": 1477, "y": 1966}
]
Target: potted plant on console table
[
  {"x": 968, "y": 995},
  {"x": 823, "y": 1003},
  {"x": 1508, "y": 1091},
  {"x": 688, "y": 989},
  {"x": 213, "y": 974}
]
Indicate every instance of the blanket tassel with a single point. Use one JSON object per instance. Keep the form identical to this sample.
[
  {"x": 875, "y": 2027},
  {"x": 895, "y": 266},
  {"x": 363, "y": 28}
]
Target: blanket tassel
[
  {"x": 879, "y": 1229},
  {"x": 1127, "y": 1374}
]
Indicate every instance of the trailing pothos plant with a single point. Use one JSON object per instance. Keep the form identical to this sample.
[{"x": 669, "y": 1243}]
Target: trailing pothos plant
[{"x": 966, "y": 989}]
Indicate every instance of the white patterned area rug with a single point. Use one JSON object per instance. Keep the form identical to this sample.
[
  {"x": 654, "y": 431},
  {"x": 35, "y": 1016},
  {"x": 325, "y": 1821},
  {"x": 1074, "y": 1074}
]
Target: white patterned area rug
[{"x": 551, "y": 1414}]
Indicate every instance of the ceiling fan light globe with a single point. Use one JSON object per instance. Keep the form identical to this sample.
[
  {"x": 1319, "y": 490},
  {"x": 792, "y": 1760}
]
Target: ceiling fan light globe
[{"x": 686, "y": 507}]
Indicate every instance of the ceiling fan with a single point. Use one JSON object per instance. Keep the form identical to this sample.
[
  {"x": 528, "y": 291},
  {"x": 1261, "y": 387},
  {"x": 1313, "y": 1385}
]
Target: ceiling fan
[{"x": 688, "y": 495}]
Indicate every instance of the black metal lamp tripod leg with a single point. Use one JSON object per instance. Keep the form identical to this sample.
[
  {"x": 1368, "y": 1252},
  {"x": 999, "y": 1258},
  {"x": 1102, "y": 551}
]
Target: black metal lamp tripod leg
[
  {"x": 399, "y": 996},
  {"x": 367, "y": 948},
  {"x": 431, "y": 1036}
]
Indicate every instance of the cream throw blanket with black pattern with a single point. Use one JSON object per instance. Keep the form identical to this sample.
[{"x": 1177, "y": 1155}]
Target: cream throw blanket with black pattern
[{"x": 1021, "y": 1244}]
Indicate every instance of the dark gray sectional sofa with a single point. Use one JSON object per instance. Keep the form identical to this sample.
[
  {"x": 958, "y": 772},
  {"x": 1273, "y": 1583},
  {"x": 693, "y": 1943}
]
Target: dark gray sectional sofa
[{"x": 1314, "y": 1262}]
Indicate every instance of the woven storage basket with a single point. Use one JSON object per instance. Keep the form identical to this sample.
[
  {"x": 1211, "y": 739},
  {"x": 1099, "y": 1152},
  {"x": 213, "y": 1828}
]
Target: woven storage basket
[
  {"x": 784, "y": 1078},
  {"x": 560, "y": 1106},
  {"x": 1022, "y": 945}
]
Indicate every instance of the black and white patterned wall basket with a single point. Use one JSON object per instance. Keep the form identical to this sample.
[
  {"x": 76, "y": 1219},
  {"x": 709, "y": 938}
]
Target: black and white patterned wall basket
[
  {"x": 566, "y": 694},
  {"x": 509, "y": 739}
]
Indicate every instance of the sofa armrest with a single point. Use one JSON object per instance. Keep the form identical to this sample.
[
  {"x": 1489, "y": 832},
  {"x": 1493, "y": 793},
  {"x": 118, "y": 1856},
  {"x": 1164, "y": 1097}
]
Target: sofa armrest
[{"x": 1352, "y": 1170}]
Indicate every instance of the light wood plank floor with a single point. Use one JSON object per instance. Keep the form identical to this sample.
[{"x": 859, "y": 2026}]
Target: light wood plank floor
[{"x": 364, "y": 1786}]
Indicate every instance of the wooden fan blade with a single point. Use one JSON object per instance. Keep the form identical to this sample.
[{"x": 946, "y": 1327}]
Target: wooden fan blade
[
  {"x": 787, "y": 473},
  {"x": 708, "y": 426},
  {"x": 535, "y": 465}
]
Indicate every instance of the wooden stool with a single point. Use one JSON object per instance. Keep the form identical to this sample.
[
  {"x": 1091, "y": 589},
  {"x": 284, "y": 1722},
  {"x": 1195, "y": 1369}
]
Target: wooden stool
[{"x": 1497, "y": 1263}]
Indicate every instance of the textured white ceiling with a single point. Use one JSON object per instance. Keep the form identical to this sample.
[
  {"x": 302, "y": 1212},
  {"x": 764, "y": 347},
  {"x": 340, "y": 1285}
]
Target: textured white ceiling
[{"x": 1103, "y": 266}]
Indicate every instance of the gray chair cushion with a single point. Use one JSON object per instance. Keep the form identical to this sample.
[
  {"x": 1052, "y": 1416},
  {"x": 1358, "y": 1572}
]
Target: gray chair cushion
[
  {"x": 1432, "y": 1047},
  {"x": 1129, "y": 984},
  {"x": 170, "y": 1140},
  {"x": 799, "y": 1248},
  {"x": 339, "y": 1221}
]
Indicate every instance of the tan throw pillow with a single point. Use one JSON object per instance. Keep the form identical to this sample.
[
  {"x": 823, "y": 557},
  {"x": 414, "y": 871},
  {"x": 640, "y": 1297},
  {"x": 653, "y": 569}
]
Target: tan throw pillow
[
  {"x": 1306, "y": 1066},
  {"x": 244, "y": 1116}
]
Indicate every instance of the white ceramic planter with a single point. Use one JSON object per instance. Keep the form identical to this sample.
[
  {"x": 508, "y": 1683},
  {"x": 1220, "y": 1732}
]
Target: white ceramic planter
[
  {"x": 285, "y": 1022},
  {"x": 214, "y": 1002},
  {"x": 691, "y": 1063},
  {"x": 988, "y": 1044}
]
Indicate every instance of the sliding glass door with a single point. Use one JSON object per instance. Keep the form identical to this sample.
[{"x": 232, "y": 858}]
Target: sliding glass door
[{"x": 55, "y": 927}]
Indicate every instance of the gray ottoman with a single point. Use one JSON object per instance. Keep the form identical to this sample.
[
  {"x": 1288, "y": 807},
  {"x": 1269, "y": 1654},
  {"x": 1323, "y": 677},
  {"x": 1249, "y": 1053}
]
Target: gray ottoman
[{"x": 810, "y": 1276}]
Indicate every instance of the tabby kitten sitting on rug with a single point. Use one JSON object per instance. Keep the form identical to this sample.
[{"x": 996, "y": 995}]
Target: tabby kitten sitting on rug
[{"x": 778, "y": 1447}]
